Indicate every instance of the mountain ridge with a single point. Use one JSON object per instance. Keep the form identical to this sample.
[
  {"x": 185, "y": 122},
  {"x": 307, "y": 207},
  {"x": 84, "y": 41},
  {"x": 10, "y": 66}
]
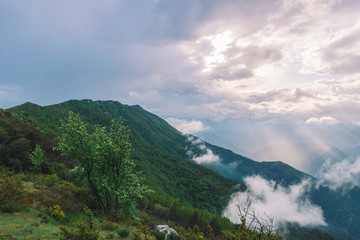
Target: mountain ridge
[{"x": 160, "y": 153}]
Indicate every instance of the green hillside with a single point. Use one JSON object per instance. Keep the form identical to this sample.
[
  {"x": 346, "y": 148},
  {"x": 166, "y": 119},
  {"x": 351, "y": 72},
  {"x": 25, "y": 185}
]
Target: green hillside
[
  {"x": 159, "y": 152},
  {"x": 158, "y": 148}
]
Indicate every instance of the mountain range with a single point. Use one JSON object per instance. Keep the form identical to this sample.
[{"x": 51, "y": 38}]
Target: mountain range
[{"x": 205, "y": 175}]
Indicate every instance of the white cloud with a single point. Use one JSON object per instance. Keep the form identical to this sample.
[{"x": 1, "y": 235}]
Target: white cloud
[
  {"x": 186, "y": 127},
  {"x": 208, "y": 157},
  {"x": 341, "y": 172},
  {"x": 322, "y": 120},
  {"x": 205, "y": 155},
  {"x": 283, "y": 204}
]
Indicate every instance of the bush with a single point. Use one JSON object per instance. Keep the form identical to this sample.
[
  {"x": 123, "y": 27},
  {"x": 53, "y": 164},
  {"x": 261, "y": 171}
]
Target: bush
[
  {"x": 173, "y": 236},
  {"x": 11, "y": 188},
  {"x": 56, "y": 212},
  {"x": 54, "y": 191},
  {"x": 159, "y": 235},
  {"x": 6, "y": 237},
  {"x": 109, "y": 236},
  {"x": 108, "y": 225},
  {"x": 142, "y": 232},
  {"x": 124, "y": 232},
  {"x": 194, "y": 233},
  {"x": 82, "y": 230},
  {"x": 11, "y": 207}
]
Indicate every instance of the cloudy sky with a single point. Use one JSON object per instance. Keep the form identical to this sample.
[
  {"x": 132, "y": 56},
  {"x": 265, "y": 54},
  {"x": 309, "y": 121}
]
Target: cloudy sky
[{"x": 241, "y": 73}]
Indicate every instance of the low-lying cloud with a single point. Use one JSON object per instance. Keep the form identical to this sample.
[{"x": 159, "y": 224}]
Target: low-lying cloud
[
  {"x": 185, "y": 126},
  {"x": 341, "y": 172},
  {"x": 199, "y": 153},
  {"x": 283, "y": 204}
]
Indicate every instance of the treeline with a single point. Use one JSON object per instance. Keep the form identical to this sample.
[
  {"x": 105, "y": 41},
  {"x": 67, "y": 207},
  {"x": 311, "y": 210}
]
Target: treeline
[{"x": 18, "y": 139}]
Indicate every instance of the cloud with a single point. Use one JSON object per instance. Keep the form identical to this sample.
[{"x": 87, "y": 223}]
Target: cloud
[
  {"x": 341, "y": 172},
  {"x": 208, "y": 157},
  {"x": 322, "y": 120},
  {"x": 283, "y": 204},
  {"x": 185, "y": 126},
  {"x": 199, "y": 153},
  {"x": 269, "y": 61}
]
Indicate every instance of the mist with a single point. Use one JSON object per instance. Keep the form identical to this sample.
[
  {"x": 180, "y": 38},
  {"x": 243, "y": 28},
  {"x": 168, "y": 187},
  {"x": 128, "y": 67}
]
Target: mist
[{"x": 282, "y": 204}]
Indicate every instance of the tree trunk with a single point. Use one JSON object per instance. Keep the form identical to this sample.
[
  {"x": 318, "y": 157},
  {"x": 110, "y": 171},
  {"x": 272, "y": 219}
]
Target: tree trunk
[{"x": 95, "y": 191}]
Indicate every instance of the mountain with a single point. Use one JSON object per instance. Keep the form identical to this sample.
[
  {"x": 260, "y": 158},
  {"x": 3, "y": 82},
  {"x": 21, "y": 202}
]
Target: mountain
[
  {"x": 166, "y": 157},
  {"x": 339, "y": 202},
  {"x": 158, "y": 149},
  {"x": 311, "y": 156}
]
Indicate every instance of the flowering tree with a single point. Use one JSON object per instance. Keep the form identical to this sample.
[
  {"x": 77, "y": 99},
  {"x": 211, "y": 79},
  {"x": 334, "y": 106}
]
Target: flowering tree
[{"x": 104, "y": 157}]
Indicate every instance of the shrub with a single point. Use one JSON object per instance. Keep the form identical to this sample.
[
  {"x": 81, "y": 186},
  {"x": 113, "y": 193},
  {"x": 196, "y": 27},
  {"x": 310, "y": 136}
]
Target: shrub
[
  {"x": 124, "y": 232},
  {"x": 6, "y": 237},
  {"x": 54, "y": 191},
  {"x": 142, "y": 232},
  {"x": 159, "y": 235},
  {"x": 109, "y": 236},
  {"x": 11, "y": 188},
  {"x": 82, "y": 230},
  {"x": 11, "y": 207},
  {"x": 56, "y": 212},
  {"x": 194, "y": 233},
  {"x": 173, "y": 236},
  {"x": 108, "y": 225}
]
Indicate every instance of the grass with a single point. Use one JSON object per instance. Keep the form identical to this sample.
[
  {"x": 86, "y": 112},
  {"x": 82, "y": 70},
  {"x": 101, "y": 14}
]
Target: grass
[
  {"x": 30, "y": 224},
  {"x": 34, "y": 224}
]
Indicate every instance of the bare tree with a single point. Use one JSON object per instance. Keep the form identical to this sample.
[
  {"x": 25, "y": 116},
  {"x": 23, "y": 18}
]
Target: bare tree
[{"x": 252, "y": 220}]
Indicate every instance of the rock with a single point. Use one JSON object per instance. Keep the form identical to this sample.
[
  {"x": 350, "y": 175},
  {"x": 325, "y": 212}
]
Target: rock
[{"x": 165, "y": 229}]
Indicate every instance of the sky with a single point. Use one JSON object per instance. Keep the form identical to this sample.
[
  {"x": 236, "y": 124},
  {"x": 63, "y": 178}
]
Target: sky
[{"x": 268, "y": 79}]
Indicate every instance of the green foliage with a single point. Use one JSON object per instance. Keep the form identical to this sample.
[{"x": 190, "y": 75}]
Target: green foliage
[
  {"x": 50, "y": 190},
  {"x": 142, "y": 232},
  {"x": 83, "y": 230},
  {"x": 124, "y": 232},
  {"x": 194, "y": 233},
  {"x": 11, "y": 188},
  {"x": 18, "y": 139},
  {"x": 173, "y": 236},
  {"x": 11, "y": 207},
  {"x": 295, "y": 232},
  {"x": 108, "y": 225},
  {"x": 6, "y": 237},
  {"x": 159, "y": 235},
  {"x": 37, "y": 157},
  {"x": 56, "y": 212},
  {"x": 104, "y": 157}
]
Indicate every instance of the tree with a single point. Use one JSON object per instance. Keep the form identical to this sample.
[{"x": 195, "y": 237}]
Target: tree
[
  {"x": 37, "y": 157},
  {"x": 263, "y": 227},
  {"x": 104, "y": 157}
]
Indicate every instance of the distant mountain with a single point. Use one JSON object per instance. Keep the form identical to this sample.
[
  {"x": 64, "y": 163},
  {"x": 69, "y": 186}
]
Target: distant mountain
[
  {"x": 166, "y": 157},
  {"x": 340, "y": 203},
  {"x": 352, "y": 152},
  {"x": 311, "y": 156}
]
